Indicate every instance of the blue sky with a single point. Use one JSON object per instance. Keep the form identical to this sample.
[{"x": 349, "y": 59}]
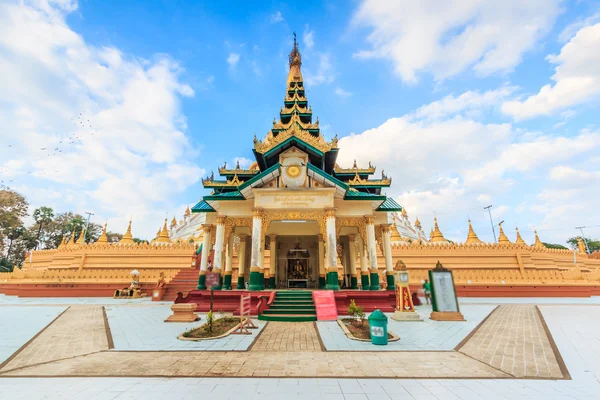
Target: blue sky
[{"x": 464, "y": 104}]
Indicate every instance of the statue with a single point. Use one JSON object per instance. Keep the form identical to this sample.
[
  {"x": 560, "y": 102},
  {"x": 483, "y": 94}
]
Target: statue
[{"x": 161, "y": 280}]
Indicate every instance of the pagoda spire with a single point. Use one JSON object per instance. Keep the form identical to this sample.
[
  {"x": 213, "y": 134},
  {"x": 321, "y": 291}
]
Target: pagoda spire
[
  {"x": 295, "y": 62},
  {"x": 502, "y": 238},
  {"x": 519, "y": 238},
  {"x": 127, "y": 237},
  {"x": 163, "y": 235},
  {"x": 472, "y": 236},
  {"x": 103, "y": 238},
  {"x": 81, "y": 239},
  {"x": 71, "y": 239},
  {"x": 173, "y": 222},
  {"x": 417, "y": 223},
  {"x": 581, "y": 246},
  {"x": 437, "y": 236},
  {"x": 395, "y": 237},
  {"x": 538, "y": 242}
]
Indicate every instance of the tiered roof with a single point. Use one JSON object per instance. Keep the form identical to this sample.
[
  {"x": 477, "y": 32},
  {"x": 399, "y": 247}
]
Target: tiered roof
[{"x": 296, "y": 128}]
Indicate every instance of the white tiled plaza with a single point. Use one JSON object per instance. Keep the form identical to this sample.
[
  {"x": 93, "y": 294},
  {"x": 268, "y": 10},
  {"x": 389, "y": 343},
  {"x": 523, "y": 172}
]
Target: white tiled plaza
[{"x": 573, "y": 324}]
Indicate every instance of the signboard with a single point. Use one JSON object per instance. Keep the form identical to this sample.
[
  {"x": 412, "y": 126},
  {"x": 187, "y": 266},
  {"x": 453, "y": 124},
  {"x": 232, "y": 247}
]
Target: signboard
[
  {"x": 377, "y": 331},
  {"x": 443, "y": 293},
  {"x": 212, "y": 279},
  {"x": 325, "y": 304}
]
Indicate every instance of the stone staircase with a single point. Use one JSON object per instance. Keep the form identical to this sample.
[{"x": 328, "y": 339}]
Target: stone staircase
[
  {"x": 185, "y": 280},
  {"x": 291, "y": 306}
]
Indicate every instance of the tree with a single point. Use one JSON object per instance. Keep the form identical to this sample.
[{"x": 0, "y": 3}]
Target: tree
[
  {"x": 592, "y": 244},
  {"x": 555, "y": 246},
  {"x": 64, "y": 224},
  {"x": 13, "y": 208},
  {"x": 42, "y": 216},
  {"x": 114, "y": 237}
]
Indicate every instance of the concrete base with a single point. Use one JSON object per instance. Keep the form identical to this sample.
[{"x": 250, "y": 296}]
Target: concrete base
[
  {"x": 183, "y": 312},
  {"x": 446, "y": 316},
  {"x": 406, "y": 316}
]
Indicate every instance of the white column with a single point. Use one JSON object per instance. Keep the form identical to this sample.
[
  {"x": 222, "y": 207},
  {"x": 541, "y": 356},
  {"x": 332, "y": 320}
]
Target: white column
[
  {"x": 242, "y": 255},
  {"x": 256, "y": 241},
  {"x": 387, "y": 248},
  {"x": 371, "y": 246},
  {"x": 273, "y": 254},
  {"x": 205, "y": 248},
  {"x": 352, "y": 254},
  {"x": 321, "y": 259},
  {"x": 219, "y": 245},
  {"x": 364, "y": 266},
  {"x": 331, "y": 249},
  {"x": 229, "y": 255}
]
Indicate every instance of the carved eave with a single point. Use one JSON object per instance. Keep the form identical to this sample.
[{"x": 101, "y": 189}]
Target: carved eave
[
  {"x": 361, "y": 171},
  {"x": 316, "y": 142},
  {"x": 238, "y": 172},
  {"x": 295, "y": 119},
  {"x": 229, "y": 183},
  {"x": 357, "y": 181}
]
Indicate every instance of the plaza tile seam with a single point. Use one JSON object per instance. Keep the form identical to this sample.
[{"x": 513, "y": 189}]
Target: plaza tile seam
[
  {"x": 561, "y": 363},
  {"x": 474, "y": 331},
  {"x": 16, "y": 353},
  {"x": 109, "y": 338},
  {"x": 323, "y": 348},
  {"x": 3, "y": 372}
]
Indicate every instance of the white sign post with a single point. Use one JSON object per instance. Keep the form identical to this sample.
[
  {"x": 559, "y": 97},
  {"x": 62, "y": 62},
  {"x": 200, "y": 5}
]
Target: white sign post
[{"x": 443, "y": 295}]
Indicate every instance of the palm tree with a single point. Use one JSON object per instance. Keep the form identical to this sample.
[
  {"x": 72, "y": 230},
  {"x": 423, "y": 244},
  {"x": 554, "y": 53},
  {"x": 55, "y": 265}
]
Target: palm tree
[{"x": 42, "y": 216}]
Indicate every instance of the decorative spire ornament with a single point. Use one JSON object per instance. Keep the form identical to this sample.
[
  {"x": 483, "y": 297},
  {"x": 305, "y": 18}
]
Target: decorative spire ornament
[
  {"x": 502, "y": 238},
  {"x": 127, "y": 237},
  {"x": 538, "y": 242},
  {"x": 104, "y": 237},
  {"x": 472, "y": 236},
  {"x": 519, "y": 238},
  {"x": 437, "y": 236}
]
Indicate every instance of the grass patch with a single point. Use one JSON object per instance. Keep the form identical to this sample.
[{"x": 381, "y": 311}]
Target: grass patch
[
  {"x": 358, "y": 330},
  {"x": 219, "y": 327}
]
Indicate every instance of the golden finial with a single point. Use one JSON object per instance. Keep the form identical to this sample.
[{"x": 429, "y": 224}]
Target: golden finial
[
  {"x": 538, "y": 242},
  {"x": 127, "y": 237},
  {"x": 163, "y": 235},
  {"x": 63, "y": 242},
  {"x": 81, "y": 239},
  {"x": 437, "y": 236},
  {"x": 404, "y": 214},
  {"x": 173, "y": 222},
  {"x": 417, "y": 223},
  {"x": 103, "y": 238},
  {"x": 502, "y": 238},
  {"x": 187, "y": 210},
  {"x": 519, "y": 238},
  {"x": 71, "y": 239},
  {"x": 158, "y": 232},
  {"x": 472, "y": 236},
  {"x": 395, "y": 237}
]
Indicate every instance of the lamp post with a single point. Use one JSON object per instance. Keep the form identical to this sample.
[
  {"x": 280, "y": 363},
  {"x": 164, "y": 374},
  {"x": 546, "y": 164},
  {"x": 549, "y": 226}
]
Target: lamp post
[
  {"x": 491, "y": 222},
  {"x": 86, "y": 224}
]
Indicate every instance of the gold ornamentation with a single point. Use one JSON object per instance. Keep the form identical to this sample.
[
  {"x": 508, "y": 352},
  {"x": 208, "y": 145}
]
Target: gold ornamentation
[
  {"x": 232, "y": 222},
  {"x": 358, "y": 222},
  {"x": 293, "y": 171},
  {"x": 340, "y": 170},
  {"x": 233, "y": 182},
  {"x": 295, "y": 131},
  {"x": 369, "y": 219},
  {"x": 472, "y": 236},
  {"x": 358, "y": 181},
  {"x": 329, "y": 212}
]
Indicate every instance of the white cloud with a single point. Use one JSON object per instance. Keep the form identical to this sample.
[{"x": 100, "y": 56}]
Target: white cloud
[
  {"x": 577, "y": 78},
  {"x": 448, "y": 37},
  {"x": 233, "y": 59},
  {"x": 277, "y": 17},
  {"x": 469, "y": 102},
  {"x": 342, "y": 93},
  {"x": 445, "y": 163},
  {"x": 323, "y": 74},
  {"x": 244, "y": 162},
  {"x": 308, "y": 38},
  {"x": 102, "y": 128}
]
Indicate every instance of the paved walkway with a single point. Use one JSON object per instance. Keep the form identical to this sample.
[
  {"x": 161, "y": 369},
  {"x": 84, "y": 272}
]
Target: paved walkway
[
  {"x": 288, "y": 337},
  {"x": 80, "y": 330},
  {"x": 19, "y": 324},
  {"x": 426, "y": 335},
  {"x": 513, "y": 339},
  {"x": 144, "y": 329}
]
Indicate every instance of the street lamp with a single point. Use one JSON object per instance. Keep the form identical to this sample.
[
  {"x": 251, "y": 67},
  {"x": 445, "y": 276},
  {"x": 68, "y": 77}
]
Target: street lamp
[{"x": 491, "y": 222}]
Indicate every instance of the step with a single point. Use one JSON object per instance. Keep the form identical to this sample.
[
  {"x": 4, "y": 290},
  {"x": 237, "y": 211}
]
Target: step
[
  {"x": 287, "y": 317},
  {"x": 291, "y": 307},
  {"x": 293, "y": 296},
  {"x": 291, "y": 311},
  {"x": 294, "y": 302}
]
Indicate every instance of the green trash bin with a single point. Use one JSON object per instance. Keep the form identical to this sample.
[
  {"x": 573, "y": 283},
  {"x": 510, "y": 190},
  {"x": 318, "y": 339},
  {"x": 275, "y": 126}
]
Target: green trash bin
[{"x": 378, "y": 327}]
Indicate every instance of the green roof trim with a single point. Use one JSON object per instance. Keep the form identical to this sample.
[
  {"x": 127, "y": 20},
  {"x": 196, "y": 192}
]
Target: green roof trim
[
  {"x": 325, "y": 175},
  {"x": 224, "y": 196},
  {"x": 257, "y": 177},
  {"x": 202, "y": 206},
  {"x": 291, "y": 139},
  {"x": 389, "y": 205},
  {"x": 352, "y": 195}
]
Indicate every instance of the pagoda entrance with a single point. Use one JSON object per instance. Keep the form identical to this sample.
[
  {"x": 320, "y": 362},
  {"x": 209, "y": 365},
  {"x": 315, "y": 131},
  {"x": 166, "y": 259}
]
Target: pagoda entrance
[{"x": 297, "y": 262}]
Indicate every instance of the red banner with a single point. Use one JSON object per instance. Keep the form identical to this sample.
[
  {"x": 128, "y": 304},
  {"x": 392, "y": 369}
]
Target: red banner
[{"x": 325, "y": 304}]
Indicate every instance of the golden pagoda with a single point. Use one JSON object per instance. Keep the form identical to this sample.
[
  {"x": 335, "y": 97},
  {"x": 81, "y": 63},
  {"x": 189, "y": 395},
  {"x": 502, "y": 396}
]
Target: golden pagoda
[
  {"x": 173, "y": 222},
  {"x": 502, "y": 238},
  {"x": 519, "y": 238},
  {"x": 127, "y": 237},
  {"x": 417, "y": 223},
  {"x": 472, "y": 236},
  {"x": 187, "y": 210},
  {"x": 395, "y": 237},
  {"x": 71, "y": 241},
  {"x": 103, "y": 238},
  {"x": 436, "y": 234},
  {"x": 581, "y": 246},
  {"x": 163, "y": 235},
  {"x": 538, "y": 242}
]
